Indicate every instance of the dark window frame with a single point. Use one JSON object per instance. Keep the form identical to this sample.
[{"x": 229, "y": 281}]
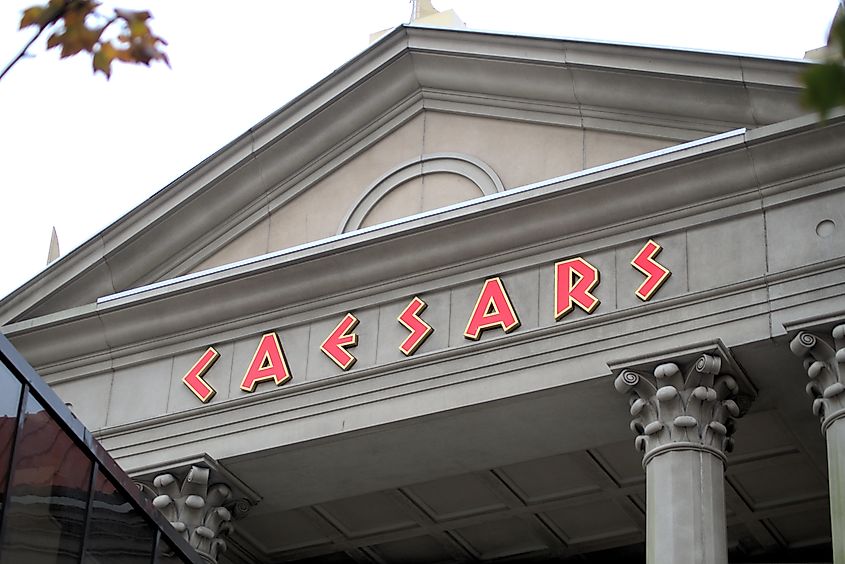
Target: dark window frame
[{"x": 32, "y": 383}]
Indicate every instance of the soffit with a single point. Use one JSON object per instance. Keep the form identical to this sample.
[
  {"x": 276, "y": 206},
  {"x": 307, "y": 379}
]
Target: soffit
[
  {"x": 549, "y": 475},
  {"x": 683, "y": 90}
]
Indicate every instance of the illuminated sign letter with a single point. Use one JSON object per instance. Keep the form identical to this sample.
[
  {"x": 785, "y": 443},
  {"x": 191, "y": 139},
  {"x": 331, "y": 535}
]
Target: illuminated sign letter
[
  {"x": 268, "y": 363},
  {"x": 493, "y": 309},
  {"x": 420, "y": 330},
  {"x": 193, "y": 379},
  {"x": 574, "y": 280},
  {"x": 339, "y": 340},
  {"x": 655, "y": 273}
]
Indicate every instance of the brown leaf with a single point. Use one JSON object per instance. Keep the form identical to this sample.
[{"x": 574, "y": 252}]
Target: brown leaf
[
  {"x": 75, "y": 39},
  {"x": 101, "y": 61},
  {"x": 75, "y": 33},
  {"x": 43, "y": 16},
  {"x": 141, "y": 45},
  {"x": 32, "y": 16}
]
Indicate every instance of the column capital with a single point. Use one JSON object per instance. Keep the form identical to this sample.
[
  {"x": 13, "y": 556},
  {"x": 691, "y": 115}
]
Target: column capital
[
  {"x": 825, "y": 365},
  {"x": 201, "y": 499},
  {"x": 685, "y": 400}
]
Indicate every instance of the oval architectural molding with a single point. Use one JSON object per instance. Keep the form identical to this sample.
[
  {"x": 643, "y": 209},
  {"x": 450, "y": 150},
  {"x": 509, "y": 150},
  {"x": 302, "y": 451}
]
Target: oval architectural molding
[{"x": 475, "y": 170}]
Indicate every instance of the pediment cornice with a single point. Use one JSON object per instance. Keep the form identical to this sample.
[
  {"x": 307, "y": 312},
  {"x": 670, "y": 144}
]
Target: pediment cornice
[
  {"x": 678, "y": 94},
  {"x": 745, "y": 170}
]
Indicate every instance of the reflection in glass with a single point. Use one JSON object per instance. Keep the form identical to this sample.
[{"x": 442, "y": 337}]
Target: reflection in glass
[
  {"x": 48, "y": 496},
  {"x": 10, "y": 394},
  {"x": 167, "y": 554},
  {"x": 117, "y": 532}
]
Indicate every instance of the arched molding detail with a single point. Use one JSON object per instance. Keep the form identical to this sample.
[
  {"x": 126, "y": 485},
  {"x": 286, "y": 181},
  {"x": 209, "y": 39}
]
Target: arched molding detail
[{"x": 473, "y": 169}]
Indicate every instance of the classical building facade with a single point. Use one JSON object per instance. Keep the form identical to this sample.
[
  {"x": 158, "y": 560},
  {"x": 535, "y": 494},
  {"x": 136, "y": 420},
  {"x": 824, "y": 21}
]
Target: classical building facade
[{"x": 480, "y": 297}]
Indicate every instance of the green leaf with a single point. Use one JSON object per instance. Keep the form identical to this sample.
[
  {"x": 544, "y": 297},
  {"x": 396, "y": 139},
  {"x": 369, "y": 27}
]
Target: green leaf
[{"x": 825, "y": 87}]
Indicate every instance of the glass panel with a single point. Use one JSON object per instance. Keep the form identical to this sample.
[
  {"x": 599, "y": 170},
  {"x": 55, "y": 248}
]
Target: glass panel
[
  {"x": 10, "y": 395},
  {"x": 48, "y": 496},
  {"x": 117, "y": 532}
]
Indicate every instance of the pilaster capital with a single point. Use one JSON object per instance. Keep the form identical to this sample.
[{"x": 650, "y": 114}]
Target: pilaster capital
[
  {"x": 201, "y": 499},
  {"x": 686, "y": 400},
  {"x": 825, "y": 365}
]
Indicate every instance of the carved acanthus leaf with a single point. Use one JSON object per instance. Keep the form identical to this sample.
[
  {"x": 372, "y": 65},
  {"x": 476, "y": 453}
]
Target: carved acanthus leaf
[
  {"x": 196, "y": 509},
  {"x": 825, "y": 365},
  {"x": 676, "y": 410}
]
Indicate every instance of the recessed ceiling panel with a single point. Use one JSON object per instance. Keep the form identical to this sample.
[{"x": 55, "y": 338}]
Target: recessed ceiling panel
[
  {"x": 454, "y": 497},
  {"x": 422, "y": 550},
  {"x": 780, "y": 481},
  {"x": 367, "y": 514},
  {"x": 550, "y": 478},
  {"x": 498, "y": 539},
  {"x": 286, "y": 530},
  {"x": 591, "y": 521}
]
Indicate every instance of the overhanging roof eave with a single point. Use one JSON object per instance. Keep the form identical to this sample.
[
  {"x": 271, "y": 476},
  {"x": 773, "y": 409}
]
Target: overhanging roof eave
[
  {"x": 671, "y": 160},
  {"x": 403, "y": 39}
]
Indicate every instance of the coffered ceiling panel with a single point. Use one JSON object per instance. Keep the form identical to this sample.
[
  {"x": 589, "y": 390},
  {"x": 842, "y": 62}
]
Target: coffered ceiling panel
[
  {"x": 499, "y": 539},
  {"x": 366, "y": 515},
  {"x": 423, "y": 550},
  {"x": 580, "y": 523},
  {"x": 458, "y": 496},
  {"x": 551, "y": 478}
]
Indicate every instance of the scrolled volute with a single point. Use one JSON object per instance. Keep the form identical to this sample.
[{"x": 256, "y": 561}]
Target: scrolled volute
[
  {"x": 825, "y": 366},
  {"x": 199, "y": 511},
  {"x": 677, "y": 410}
]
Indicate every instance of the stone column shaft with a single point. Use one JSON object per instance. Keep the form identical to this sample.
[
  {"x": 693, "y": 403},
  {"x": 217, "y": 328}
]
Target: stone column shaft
[
  {"x": 683, "y": 422},
  {"x": 825, "y": 366},
  {"x": 836, "y": 481},
  {"x": 685, "y": 500}
]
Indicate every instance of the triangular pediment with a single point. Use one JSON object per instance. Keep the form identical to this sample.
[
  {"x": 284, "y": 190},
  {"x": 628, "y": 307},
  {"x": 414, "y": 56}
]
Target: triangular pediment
[{"x": 424, "y": 118}]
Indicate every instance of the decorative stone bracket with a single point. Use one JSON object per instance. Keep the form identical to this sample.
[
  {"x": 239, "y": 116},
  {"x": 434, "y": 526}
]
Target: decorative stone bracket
[
  {"x": 825, "y": 365},
  {"x": 691, "y": 409},
  {"x": 200, "y": 499}
]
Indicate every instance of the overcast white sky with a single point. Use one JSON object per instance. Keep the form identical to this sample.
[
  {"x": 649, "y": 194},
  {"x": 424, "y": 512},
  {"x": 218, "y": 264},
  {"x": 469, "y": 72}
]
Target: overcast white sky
[{"x": 78, "y": 152}]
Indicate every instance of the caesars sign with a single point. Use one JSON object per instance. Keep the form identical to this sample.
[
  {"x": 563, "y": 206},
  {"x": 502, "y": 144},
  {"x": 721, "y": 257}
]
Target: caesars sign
[{"x": 575, "y": 280}]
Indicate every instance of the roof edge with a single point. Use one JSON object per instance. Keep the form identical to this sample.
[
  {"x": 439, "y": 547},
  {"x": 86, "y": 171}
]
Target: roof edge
[{"x": 404, "y": 38}]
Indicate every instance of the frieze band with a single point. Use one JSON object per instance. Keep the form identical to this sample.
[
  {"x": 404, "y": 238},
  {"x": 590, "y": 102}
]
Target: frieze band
[{"x": 575, "y": 280}]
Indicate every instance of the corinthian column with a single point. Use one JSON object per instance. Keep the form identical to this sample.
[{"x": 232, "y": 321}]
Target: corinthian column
[
  {"x": 683, "y": 420},
  {"x": 825, "y": 366},
  {"x": 201, "y": 501},
  {"x": 196, "y": 509}
]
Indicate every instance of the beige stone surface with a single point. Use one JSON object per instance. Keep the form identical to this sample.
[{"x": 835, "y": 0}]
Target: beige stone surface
[
  {"x": 441, "y": 190},
  {"x": 325, "y": 204},
  {"x": 601, "y": 147},
  {"x": 318, "y": 211},
  {"x": 251, "y": 243},
  {"x": 404, "y": 200},
  {"x": 519, "y": 152},
  {"x": 421, "y": 194}
]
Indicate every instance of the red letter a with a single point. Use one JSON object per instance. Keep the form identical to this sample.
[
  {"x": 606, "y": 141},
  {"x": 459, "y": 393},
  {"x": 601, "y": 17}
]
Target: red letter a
[
  {"x": 268, "y": 363},
  {"x": 493, "y": 309}
]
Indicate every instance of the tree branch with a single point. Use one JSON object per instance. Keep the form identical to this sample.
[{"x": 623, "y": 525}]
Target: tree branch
[{"x": 22, "y": 53}]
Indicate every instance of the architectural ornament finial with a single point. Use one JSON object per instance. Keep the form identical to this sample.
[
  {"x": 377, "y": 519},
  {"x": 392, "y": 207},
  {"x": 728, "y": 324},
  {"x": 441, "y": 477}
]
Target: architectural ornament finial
[
  {"x": 825, "y": 365},
  {"x": 53, "y": 252},
  {"x": 421, "y": 9}
]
